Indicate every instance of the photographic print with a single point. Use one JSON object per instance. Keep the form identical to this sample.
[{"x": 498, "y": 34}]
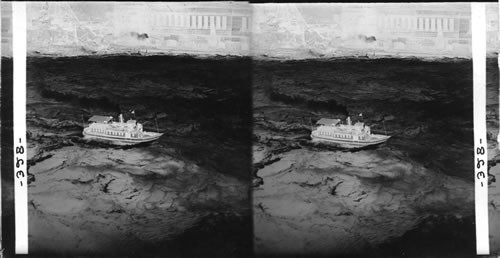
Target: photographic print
[
  {"x": 139, "y": 129},
  {"x": 363, "y": 129},
  {"x": 237, "y": 129}
]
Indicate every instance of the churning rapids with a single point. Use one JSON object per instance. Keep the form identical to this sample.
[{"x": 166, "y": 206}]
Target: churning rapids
[
  {"x": 187, "y": 193},
  {"x": 412, "y": 195}
]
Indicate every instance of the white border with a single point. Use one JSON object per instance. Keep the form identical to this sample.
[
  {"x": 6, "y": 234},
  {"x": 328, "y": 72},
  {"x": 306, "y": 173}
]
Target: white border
[
  {"x": 478, "y": 12},
  {"x": 1, "y": 225},
  {"x": 19, "y": 107}
]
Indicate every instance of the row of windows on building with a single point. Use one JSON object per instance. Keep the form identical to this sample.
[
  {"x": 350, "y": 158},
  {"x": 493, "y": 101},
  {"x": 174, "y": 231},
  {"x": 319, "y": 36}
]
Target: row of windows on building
[
  {"x": 415, "y": 23},
  {"x": 200, "y": 21}
]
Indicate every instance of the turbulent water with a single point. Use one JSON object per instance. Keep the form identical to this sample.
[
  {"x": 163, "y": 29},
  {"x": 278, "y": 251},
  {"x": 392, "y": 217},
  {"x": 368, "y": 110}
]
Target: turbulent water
[
  {"x": 165, "y": 197},
  {"x": 492, "y": 126},
  {"x": 382, "y": 200},
  {"x": 189, "y": 194}
]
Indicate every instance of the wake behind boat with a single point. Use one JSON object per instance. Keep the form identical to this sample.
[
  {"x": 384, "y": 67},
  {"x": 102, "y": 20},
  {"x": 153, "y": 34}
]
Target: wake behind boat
[
  {"x": 346, "y": 135},
  {"x": 102, "y": 128}
]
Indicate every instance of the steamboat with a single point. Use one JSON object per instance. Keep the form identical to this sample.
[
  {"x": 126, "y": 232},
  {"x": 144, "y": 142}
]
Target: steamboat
[
  {"x": 103, "y": 128},
  {"x": 347, "y": 135}
]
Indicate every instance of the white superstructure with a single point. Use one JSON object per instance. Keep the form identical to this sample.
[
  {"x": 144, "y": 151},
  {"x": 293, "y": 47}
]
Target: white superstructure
[
  {"x": 346, "y": 135},
  {"x": 118, "y": 133}
]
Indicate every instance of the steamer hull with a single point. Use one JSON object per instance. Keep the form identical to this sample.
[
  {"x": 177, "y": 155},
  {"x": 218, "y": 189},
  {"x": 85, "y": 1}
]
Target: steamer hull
[
  {"x": 103, "y": 129},
  {"x": 122, "y": 141},
  {"x": 350, "y": 144},
  {"x": 351, "y": 136}
]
